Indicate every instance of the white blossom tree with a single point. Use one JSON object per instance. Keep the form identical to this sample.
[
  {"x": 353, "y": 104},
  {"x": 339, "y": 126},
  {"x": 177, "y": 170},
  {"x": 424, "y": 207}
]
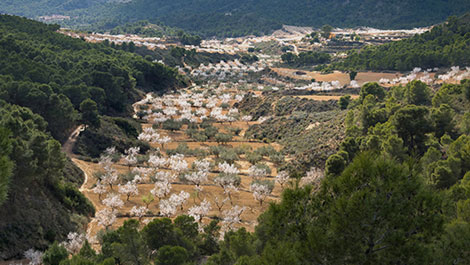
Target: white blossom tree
[
  {"x": 282, "y": 178},
  {"x": 110, "y": 178},
  {"x": 138, "y": 212},
  {"x": 177, "y": 163},
  {"x": 149, "y": 134},
  {"x": 130, "y": 159},
  {"x": 200, "y": 211},
  {"x": 228, "y": 179},
  {"x": 233, "y": 215},
  {"x": 74, "y": 242},
  {"x": 178, "y": 199},
  {"x": 313, "y": 177},
  {"x": 158, "y": 161},
  {"x": 99, "y": 189},
  {"x": 257, "y": 172},
  {"x": 197, "y": 178},
  {"x": 227, "y": 168},
  {"x": 167, "y": 208},
  {"x": 247, "y": 118},
  {"x": 106, "y": 217},
  {"x": 200, "y": 175},
  {"x": 164, "y": 140},
  {"x": 34, "y": 256},
  {"x": 113, "y": 201},
  {"x": 161, "y": 189},
  {"x": 128, "y": 189},
  {"x": 260, "y": 192},
  {"x": 220, "y": 202}
]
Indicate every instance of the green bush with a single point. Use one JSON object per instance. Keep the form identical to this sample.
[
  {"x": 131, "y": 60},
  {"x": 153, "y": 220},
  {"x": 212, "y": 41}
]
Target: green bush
[
  {"x": 54, "y": 254},
  {"x": 172, "y": 125},
  {"x": 223, "y": 138}
]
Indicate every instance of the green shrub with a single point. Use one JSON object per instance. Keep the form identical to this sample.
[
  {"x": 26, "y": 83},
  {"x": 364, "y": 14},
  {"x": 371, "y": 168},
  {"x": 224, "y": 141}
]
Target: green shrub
[
  {"x": 223, "y": 138},
  {"x": 172, "y": 125}
]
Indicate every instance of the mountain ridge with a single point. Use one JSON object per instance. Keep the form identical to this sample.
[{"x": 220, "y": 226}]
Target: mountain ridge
[{"x": 227, "y": 18}]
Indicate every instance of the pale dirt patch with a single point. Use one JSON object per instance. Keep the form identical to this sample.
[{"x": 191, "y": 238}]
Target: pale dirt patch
[{"x": 313, "y": 125}]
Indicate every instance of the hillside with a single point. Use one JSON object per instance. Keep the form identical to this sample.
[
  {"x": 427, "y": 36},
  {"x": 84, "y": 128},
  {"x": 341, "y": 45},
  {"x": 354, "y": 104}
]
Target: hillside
[
  {"x": 49, "y": 84},
  {"x": 52, "y": 73},
  {"x": 31, "y": 8},
  {"x": 444, "y": 46},
  {"x": 229, "y": 18}
]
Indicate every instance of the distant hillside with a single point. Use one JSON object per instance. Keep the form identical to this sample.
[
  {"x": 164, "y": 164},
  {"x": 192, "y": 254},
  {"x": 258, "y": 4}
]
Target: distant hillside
[
  {"x": 33, "y": 8},
  {"x": 241, "y": 17},
  {"x": 444, "y": 46}
]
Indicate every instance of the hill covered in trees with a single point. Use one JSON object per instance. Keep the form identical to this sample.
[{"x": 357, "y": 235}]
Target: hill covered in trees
[
  {"x": 50, "y": 83},
  {"x": 235, "y": 18},
  {"x": 445, "y": 45},
  {"x": 54, "y": 74}
]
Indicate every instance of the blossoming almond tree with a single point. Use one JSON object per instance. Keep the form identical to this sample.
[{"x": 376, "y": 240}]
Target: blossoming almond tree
[
  {"x": 232, "y": 216},
  {"x": 99, "y": 189},
  {"x": 110, "y": 178},
  {"x": 158, "y": 161},
  {"x": 131, "y": 156},
  {"x": 197, "y": 178},
  {"x": 167, "y": 208},
  {"x": 178, "y": 199},
  {"x": 219, "y": 202},
  {"x": 282, "y": 178},
  {"x": 106, "y": 217},
  {"x": 228, "y": 179},
  {"x": 247, "y": 118},
  {"x": 257, "y": 172},
  {"x": 260, "y": 192},
  {"x": 34, "y": 256},
  {"x": 313, "y": 177},
  {"x": 200, "y": 211},
  {"x": 129, "y": 189},
  {"x": 149, "y": 134},
  {"x": 138, "y": 212},
  {"x": 161, "y": 189},
  {"x": 164, "y": 140},
  {"x": 201, "y": 174},
  {"x": 74, "y": 242},
  {"x": 113, "y": 201},
  {"x": 177, "y": 163}
]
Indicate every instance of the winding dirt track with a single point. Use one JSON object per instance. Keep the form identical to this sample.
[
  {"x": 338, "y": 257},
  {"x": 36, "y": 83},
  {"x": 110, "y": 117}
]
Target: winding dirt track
[{"x": 67, "y": 148}]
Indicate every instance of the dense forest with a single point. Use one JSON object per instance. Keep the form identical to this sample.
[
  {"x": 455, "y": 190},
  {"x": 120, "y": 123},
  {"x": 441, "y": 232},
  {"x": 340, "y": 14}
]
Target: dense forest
[
  {"x": 444, "y": 46},
  {"x": 39, "y": 196},
  {"x": 50, "y": 83},
  {"x": 146, "y": 29},
  {"x": 229, "y": 18},
  {"x": 305, "y": 58}
]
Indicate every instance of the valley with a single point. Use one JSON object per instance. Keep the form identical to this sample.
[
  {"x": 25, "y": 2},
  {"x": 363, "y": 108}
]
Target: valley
[{"x": 141, "y": 143}]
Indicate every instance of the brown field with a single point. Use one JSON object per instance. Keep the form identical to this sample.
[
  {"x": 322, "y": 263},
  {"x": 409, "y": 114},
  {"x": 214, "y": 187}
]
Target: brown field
[
  {"x": 343, "y": 78},
  {"x": 326, "y": 97}
]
